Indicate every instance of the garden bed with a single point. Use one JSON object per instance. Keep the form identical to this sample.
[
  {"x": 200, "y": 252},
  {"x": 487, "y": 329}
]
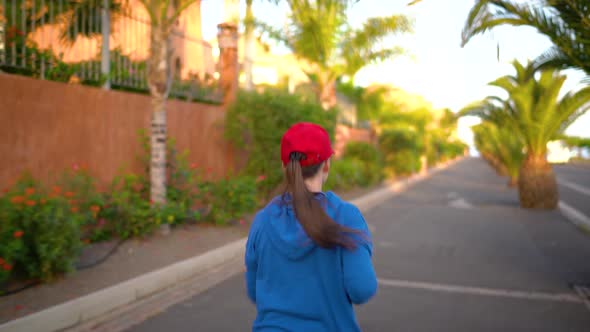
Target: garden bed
[{"x": 133, "y": 258}]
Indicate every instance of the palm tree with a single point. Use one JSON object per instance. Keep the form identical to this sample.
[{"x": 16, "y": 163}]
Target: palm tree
[
  {"x": 501, "y": 148},
  {"x": 318, "y": 32},
  {"x": 249, "y": 24},
  {"x": 40, "y": 12},
  {"x": 163, "y": 15},
  {"x": 565, "y": 22},
  {"x": 534, "y": 112}
]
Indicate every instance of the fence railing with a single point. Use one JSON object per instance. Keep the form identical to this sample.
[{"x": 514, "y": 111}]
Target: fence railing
[{"x": 99, "y": 43}]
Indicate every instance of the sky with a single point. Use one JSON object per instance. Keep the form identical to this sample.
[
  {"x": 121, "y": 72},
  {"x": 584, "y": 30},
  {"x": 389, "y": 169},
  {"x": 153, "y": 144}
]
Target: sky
[{"x": 438, "y": 68}]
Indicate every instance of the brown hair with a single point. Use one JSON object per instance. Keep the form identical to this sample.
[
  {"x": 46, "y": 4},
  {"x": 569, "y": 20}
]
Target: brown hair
[{"x": 322, "y": 229}]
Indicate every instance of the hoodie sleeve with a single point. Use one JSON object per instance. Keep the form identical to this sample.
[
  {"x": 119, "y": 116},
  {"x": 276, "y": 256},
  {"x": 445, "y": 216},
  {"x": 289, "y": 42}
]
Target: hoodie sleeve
[
  {"x": 251, "y": 257},
  {"x": 360, "y": 281}
]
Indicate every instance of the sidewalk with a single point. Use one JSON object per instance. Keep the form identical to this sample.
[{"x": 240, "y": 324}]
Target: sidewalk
[
  {"x": 140, "y": 268},
  {"x": 134, "y": 258}
]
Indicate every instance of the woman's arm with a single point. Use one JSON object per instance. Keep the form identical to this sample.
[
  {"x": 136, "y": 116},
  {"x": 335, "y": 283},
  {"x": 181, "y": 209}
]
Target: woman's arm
[
  {"x": 360, "y": 281},
  {"x": 251, "y": 258}
]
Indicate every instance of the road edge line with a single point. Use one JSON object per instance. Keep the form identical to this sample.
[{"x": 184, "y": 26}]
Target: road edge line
[{"x": 575, "y": 217}]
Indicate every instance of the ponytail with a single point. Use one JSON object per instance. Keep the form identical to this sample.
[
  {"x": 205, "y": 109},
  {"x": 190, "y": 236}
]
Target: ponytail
[{"x": 322, "y": 229}]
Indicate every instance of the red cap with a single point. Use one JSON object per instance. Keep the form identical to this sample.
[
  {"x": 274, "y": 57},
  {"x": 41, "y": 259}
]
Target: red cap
[{"x": 309, "y": 139}]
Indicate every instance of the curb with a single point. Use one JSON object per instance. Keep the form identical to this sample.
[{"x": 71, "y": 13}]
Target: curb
[{"x": 97, "y": 304}]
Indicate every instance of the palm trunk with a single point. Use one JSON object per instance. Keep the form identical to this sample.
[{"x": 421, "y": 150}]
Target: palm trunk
[
  {"x": 537, "y": 187},
  {"x": 249, "y": 46},
  {"x": 158, "y": 152},
  {"x": 159, "y": 85},
  {"x": 327, "y": 93},
  {"x": 513, "y": 181},
  {"x": 158, "y": 81}
]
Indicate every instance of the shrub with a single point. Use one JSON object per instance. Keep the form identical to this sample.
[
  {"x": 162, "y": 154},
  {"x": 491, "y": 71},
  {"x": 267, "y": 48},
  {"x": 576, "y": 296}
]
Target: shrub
[
  {"x": 344, "y": 174},
  {"x": 80, "y": 190},
  {"x": 256, "y": 122},
  {"x": 127, "y": 212},
  {"x": 231, "y": 199},
  {"x": 370, "y": 159},
  {"x": 403, "y": 162},
  {"x": 12, "y": 247},
  {"x": 184, "y": 187},
  {"x": 48, "y": 229},
  {"x": 401, "y": 148}
]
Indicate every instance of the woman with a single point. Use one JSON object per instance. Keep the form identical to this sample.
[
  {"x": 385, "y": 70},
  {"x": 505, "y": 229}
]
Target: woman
[{"x": 308, "y": 255}]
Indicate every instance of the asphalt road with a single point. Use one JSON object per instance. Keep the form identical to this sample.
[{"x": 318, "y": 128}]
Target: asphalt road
[
  {"x": 574, "y": 186},
  {"x": 453, "y": 253}
]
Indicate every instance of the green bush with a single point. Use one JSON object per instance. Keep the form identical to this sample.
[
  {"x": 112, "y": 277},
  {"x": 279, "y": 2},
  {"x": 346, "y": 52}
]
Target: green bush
[
  {"x": 184, "y": 186},
  {"x": 344, "y": 174},
  {"x": 401, "y": 148},
  {"x": 370, "y": 159},
  {"x": 127, "y": 212},
  {"x": 256, "y": 122},
  {"x": 78, "y": 187},
  {"x": 45, "y": 231},
  {"x": 403, "y": 162},
  {"x": 12, "y": 247},
  {"x": 231, "y": 199}
]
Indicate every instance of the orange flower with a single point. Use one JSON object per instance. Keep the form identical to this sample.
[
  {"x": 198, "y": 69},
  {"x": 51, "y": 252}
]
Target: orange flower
[
  {"x": 30, "y": 202},
  {"x": 74, "y": 209},
  {"x": 2, "y": 261},
  {"x": 29, "y": 191},
  {"x": 18, "y": 234},
  {"x": 86, "y": 241},
  {"x": 194, "y": 166},
  {"x": 5, "y": 190},
  {"x": 69, "y": 194},
  {"x": 17, "y": 199},
  {"x": 95, "y": 208},
  {"x": 43, "y": 201},
  {"x": 56, "y": 189},
  {"x": 7, "y": 267}
]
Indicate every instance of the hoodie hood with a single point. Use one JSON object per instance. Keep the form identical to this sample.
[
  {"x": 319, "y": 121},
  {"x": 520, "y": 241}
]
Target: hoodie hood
[{"x": 286, "y": 233}]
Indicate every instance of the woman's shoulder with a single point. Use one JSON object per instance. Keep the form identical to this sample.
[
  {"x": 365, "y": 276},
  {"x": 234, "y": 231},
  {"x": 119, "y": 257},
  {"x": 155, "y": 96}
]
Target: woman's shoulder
[{"x": 341, "y": 205}]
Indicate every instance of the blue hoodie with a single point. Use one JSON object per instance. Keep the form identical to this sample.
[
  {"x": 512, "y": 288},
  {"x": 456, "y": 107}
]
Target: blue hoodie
[{"x": 298, "y": 286}]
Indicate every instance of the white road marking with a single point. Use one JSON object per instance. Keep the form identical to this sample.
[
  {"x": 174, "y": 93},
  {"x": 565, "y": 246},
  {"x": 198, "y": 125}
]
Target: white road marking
[
  {"x": 526, "y": 295},
  {"x": 452, "y": 195},
  {"x": 460, "y": 203},
  {"x": 385, "y": 244},
  {"x": 576, "y": 187},
  {"x": 574, "y": 215}
]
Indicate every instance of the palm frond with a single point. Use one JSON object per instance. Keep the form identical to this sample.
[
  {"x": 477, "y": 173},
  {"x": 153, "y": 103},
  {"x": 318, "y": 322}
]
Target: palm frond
[
  {"x": 76, "y": 14},
  {"x": 570, "y": 108},
  {"x": 358, "y": 48},
  {"x": 565, "y": 22}
]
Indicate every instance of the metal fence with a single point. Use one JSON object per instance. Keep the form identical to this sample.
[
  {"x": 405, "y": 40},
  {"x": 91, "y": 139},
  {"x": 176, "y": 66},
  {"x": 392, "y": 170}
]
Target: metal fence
[{"x": 100, "y": 43}]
